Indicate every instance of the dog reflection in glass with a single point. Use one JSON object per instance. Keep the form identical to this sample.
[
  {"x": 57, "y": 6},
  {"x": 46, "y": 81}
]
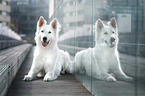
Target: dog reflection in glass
[{"x": 104, "y": 57}]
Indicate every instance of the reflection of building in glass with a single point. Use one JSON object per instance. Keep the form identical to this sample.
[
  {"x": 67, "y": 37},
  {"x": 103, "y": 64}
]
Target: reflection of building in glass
[
  {"x": 25, "y": 14},
  {"x": 129, "y": 7},
  {"x": 102, "y": 10},
  {"x": 69, "y": 11},
  {"x": 80, "y": 12},
  {"x": 80, "y": 15},
  {"x": 4, "y": 12}
]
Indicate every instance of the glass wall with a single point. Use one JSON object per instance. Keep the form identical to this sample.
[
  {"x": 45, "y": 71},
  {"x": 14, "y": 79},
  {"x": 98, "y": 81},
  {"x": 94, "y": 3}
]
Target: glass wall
[{"x": 113, "y": 63}]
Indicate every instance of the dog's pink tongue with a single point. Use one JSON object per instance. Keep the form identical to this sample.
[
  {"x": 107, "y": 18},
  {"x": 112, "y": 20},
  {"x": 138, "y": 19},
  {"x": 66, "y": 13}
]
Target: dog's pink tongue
[{"x": 44, "y": 44}]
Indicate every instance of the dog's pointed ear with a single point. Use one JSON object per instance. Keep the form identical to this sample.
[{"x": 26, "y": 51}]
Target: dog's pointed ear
[
  {"x": 99, "y": 24},
  {"x": 113, "y": 23},
  {"x": 54, "y": 23},
  {"x": 41, "y": 21}
]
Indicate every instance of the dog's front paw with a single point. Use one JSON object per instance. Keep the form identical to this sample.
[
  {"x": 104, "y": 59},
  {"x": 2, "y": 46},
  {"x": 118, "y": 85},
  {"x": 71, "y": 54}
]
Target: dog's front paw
[
  {"x": 111, "y": 79},
  {"x": 62, "y": 72},
  {"x": 129, "y": 79},
  {"x": 49, "y": 78},
  {"x": 28, "y": 78},
  {"x": 81, "y": 72}
]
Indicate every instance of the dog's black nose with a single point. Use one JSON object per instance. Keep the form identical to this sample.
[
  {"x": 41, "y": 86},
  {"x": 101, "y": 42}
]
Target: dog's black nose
[
  {"x": 112, "y": 39},
  {"x": 44, "y": 38}
]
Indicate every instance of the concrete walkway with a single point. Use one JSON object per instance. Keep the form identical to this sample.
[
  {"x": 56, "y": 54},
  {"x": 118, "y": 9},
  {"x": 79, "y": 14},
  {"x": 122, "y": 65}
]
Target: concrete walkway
[
  {"x": 118, "y": 88},
  {"x": 65, "y": 85}
]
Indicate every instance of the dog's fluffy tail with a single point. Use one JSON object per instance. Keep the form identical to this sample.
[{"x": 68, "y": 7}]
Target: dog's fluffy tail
[
  {"x": 68, "y": 66},
  {"x": 78, "y": 66}
]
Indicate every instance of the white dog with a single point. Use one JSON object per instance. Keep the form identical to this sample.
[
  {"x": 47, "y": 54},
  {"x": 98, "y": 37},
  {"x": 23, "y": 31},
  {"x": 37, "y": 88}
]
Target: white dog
[
  {"x": 104, "y": 57},
  {"x": 47, "y": 56}
]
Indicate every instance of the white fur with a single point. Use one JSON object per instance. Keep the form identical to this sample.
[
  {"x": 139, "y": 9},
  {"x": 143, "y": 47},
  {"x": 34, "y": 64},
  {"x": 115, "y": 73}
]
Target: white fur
[
  {"x": 103, "y": 59},
  {"x": 49, "y": 58}
]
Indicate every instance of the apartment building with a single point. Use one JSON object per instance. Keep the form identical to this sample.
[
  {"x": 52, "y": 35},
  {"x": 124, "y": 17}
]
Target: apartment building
[
  {"x": 5, "y": 10},
  {"x": 25, "y": 14}
]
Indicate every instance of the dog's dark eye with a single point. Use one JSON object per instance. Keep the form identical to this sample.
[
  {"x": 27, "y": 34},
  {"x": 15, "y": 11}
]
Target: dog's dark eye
[
  {"x": 106, "y": 33},
  {"x": 113, "y": 32},
  {"x": 49, "y": 32},
  {"x": 42, "y": 31}
]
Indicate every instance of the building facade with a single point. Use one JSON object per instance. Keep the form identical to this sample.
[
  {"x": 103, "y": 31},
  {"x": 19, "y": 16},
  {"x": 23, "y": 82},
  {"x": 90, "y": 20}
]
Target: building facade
[
  {"x": 25, "y": 14},
  {"x": 5, "y": 10}
]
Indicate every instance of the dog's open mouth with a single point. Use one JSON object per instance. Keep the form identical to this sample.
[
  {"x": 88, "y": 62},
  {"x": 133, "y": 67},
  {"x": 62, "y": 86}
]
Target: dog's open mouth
[
  {"x": 44, "y": 43},
  {"x": 111, "y": 44}
]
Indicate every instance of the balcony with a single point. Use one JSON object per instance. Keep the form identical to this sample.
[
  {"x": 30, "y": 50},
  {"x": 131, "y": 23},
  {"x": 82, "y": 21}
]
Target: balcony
[
  {"x": 5, "y": 8},
  {"x": 5, "y": 18}
]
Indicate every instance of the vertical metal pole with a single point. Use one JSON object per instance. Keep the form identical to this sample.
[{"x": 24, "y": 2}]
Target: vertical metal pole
[
  {"x": 137, "y": 49},
  {"x": 143, "y": 16},
  {"x": 92, "y": 43},
  {"x": 75, "y": 34}
]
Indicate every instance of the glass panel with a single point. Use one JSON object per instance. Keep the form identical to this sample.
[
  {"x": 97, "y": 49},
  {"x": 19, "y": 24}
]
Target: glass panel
[
  {"x": 109, "y": 60},
  {"x": 128, "y": 14},
  {"x": 76, "y": 33},
  {"x": 84, "y": 40}
]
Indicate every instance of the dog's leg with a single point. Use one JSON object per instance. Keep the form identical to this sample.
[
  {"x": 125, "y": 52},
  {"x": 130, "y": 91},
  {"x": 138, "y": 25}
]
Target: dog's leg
[
  {"x": 32, "y": 73},
  {"x": 68, "y": 66},
  {"x": 121, "y": 75},
  {"x": 41, "y": 73},
  {"x": 79, "y": 67},
  {"x": 49, "y": 76},
  {"x": 82, "y": 70},
  {"x": 52, "y": 72},
  {"x": 63, "y": 70},
  {"x": 100, "y": 72},
  {"x": 106, "y": 77},
  {"x": 117, "y": 70}
]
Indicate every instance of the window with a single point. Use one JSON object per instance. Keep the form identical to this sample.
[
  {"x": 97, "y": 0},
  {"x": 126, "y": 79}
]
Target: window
[
  {"x": 0, "y": 12},
  {"x": 24, "y": 18},
  {"x": 4, "y": 23},
  {"x": 4, "y": 13},
  {"x": 119, "y": 2},
  {"x": 32, "y": 18},
  {"x": 32, "y": 25},
  {"x": 132, "y": 2},
  {"x": 68, "y": 4},
  {"x": 67, "y": 24},
  {"x": 67, "y": 14},
  {"x": 24, "y": 25},
  {"x": 4, "y": 2},
  {"x": 15, "y": 9}
]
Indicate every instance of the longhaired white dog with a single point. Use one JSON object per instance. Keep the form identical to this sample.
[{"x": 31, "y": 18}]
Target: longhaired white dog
[
  {"x": 48, "y": 57},
  {"x": 103, "y": 59}
]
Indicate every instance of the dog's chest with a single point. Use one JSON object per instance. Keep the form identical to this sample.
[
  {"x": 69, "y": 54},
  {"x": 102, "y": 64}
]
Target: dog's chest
[
  {"x": 105, "y": 59},
  {"x": 47, "y": 58}
]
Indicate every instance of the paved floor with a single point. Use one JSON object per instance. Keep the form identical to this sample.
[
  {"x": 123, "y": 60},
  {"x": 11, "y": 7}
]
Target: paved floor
[
  {"x": 119, "y": 88},
  {"x": 65, "y": 85}
]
